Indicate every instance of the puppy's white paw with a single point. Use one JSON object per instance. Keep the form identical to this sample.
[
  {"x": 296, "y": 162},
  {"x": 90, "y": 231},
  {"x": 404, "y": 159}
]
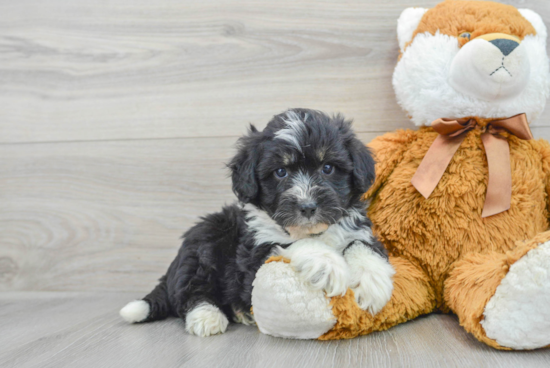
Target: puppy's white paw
[
  {"x": 205, "y": 320},
  {"x": 371, "y": 277},
  {"x": 319, "y": 265}
]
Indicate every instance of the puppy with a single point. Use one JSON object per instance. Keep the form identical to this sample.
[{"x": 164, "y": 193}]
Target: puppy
[{"x": 299, "y": 184}]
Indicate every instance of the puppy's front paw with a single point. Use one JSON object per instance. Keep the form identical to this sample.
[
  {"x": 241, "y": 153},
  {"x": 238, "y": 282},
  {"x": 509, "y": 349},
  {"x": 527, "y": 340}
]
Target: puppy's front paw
[
  {"x": 319, "y": 265},
  {"x": 371, "y": 277},
  {"x": 205, "y": 320}
]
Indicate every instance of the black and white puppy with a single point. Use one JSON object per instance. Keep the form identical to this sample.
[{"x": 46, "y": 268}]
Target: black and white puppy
[{"x": 299, "y": 183}]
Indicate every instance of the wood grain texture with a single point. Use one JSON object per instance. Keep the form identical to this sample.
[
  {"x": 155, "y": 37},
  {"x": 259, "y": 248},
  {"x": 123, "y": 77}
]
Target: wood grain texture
[
  {"x": 106, "y": 215},
  {"x": 84, "y": 330},
  {"x": 126, "y": 69}
]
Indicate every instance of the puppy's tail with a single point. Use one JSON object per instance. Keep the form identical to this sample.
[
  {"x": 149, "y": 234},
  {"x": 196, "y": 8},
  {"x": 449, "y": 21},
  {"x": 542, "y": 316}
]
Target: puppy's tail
[{"x": 155, "y": 306}]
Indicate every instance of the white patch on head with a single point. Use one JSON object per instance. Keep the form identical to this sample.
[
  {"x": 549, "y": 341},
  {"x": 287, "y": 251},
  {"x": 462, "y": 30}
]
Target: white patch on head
[
  {"x": 294, "y": 131},
  {"x": 421, "y": 82},
  {"x": 266, "y": 230},
  {"x": 135, "y": 311},
  {"x": 408, "y": 23},
  {"x": 205, "y": 320},
  {"x": 371, "y": 277},
  {"x": 518, "y": 316}
]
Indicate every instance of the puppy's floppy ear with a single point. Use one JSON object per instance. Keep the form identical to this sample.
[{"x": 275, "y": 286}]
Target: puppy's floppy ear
[
  {"x": 361, "y": 156},
  {"x": 243, "y": 166},
  {"x": 363, "y": 165}
]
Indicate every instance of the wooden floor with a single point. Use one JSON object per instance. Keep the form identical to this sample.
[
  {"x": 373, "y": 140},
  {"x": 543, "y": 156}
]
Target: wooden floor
[
  {"x": 116, "y": 119},
  {"x": 84, "y": 330}
]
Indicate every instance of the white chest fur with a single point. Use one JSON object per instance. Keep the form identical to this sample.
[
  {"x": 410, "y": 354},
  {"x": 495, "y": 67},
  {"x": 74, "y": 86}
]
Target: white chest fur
[{"x": 337, "y": 236}]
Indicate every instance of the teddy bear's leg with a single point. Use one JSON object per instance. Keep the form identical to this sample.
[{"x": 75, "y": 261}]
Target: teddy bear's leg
[
  {"x": 285, "y": 306},
  {"x": 412, "y": 296},
  {"x": 503, "y": 299}
]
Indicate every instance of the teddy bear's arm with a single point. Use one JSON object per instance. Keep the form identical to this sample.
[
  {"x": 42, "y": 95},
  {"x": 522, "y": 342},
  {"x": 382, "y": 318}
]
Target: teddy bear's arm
[{"x": 388, "y": 150}]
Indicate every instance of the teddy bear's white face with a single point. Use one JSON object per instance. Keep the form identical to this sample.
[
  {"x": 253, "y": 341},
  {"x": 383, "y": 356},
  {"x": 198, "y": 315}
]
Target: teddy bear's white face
[{"x": 491, "y": 76}]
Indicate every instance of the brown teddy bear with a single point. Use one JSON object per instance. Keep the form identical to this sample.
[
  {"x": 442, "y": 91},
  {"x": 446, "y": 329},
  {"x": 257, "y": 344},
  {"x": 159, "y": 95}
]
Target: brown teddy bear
[{"x": 461, "y": 203}]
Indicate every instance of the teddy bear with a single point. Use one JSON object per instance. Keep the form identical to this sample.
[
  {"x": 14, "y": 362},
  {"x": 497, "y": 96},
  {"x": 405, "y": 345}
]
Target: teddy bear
[{"x": 462, "y": 202}]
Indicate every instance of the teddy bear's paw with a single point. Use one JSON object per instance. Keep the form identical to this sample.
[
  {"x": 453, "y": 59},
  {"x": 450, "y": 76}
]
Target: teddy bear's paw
[
  {"x": 319, "y": 265},
  {"x": 518, "y": 316},
  {"x": 205, "y": 320},
  {"x": 371, "y": 277},
  {"x": 285, "y": 306}
]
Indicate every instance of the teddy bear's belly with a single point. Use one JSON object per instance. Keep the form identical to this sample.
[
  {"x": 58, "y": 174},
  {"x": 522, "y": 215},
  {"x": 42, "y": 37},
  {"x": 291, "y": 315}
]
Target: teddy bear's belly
[{"x": 436, "y": 232}]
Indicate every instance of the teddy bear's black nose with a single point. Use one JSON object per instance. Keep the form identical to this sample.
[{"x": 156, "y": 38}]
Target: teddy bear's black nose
[{"x": 505, "y": 46}]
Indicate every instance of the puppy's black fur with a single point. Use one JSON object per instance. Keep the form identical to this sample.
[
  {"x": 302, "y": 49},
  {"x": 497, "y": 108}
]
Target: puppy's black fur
[{"x": 303, "y": 169}]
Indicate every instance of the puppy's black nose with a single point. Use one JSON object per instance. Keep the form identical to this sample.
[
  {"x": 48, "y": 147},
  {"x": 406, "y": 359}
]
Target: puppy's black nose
[
  {"x": 505, "y": 46},
  {"x": 308, "y": 209}
]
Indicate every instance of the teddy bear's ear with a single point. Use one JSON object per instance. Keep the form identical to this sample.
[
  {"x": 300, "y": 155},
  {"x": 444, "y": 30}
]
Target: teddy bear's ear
[
  {"x": 407, "y": 23},
  {"x": 536, "y": 22}
]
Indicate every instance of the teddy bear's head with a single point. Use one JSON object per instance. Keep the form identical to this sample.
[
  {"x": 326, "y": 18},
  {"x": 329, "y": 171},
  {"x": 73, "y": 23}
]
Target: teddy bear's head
[{"x": 471, "y": 58}]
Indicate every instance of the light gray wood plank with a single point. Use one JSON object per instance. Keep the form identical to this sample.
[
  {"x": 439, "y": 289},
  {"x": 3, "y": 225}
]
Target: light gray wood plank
[
  {"x": 125, "y": 69},
  {"x": 106, "y": 215},
  {"x": 103, "y": 215},
  {"x": 84, "y": 330}
]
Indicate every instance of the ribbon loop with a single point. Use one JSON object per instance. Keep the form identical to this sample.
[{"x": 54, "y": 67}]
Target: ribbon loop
[{"x": 451, "y": 134}]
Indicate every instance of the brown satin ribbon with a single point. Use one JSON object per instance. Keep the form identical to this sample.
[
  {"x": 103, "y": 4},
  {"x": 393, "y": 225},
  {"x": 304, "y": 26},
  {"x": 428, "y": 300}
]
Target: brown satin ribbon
[{"x": 451, "y": 135}]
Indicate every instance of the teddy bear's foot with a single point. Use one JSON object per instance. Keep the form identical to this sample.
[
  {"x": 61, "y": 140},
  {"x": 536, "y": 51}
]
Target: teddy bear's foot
[
  {"x": 286, "y": 306},
  {"x": 518, "y": 314}
]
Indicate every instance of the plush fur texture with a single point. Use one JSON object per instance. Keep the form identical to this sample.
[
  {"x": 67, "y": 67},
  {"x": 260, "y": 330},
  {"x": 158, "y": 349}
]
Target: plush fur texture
[
  {"x": 431, "y": 230},
  {"x": 307, "y": 313},
  {"x": 299, "y": 183},
  {"x": 423, "y": 77},
  {"x": 492, "y": 272},
  {"x": 508, "y": 318}
]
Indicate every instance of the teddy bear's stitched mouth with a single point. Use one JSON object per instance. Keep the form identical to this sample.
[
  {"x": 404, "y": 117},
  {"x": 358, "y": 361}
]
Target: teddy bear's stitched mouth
[{"x": 501, "y": 67}]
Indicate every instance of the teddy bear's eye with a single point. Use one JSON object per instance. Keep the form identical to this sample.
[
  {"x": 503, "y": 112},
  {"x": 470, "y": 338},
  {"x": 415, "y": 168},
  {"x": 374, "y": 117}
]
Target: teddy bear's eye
[{"x": 466, "y": 35}]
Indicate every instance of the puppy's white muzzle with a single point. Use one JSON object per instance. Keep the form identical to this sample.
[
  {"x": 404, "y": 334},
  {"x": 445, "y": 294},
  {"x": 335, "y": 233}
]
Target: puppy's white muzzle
[{"x": 490, "y": 71}]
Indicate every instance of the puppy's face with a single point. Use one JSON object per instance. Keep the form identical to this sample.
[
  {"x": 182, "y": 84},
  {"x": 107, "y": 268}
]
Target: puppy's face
[{"x": 305, "y": 170}]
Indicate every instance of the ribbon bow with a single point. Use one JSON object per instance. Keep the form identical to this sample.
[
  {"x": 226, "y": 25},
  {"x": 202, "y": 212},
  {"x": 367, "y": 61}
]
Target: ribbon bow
[{"x": 451, "y": 135}]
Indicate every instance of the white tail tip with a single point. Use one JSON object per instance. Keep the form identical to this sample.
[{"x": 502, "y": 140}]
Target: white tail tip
[{"x": 135, "y": 311}]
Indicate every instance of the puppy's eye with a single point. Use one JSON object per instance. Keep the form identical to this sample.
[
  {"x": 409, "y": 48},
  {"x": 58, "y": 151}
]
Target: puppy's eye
[
  {"x": 465, "y": 35},
  {"x": 281, "y": 173},
  {"x": 328, "y": 169}
]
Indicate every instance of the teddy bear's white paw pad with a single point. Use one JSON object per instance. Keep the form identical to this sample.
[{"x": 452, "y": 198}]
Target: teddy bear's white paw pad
[
  {"x": 205, "y": 320},
  {"x": 518, "y": 315},
  {"x": 286, "y": 306}
]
